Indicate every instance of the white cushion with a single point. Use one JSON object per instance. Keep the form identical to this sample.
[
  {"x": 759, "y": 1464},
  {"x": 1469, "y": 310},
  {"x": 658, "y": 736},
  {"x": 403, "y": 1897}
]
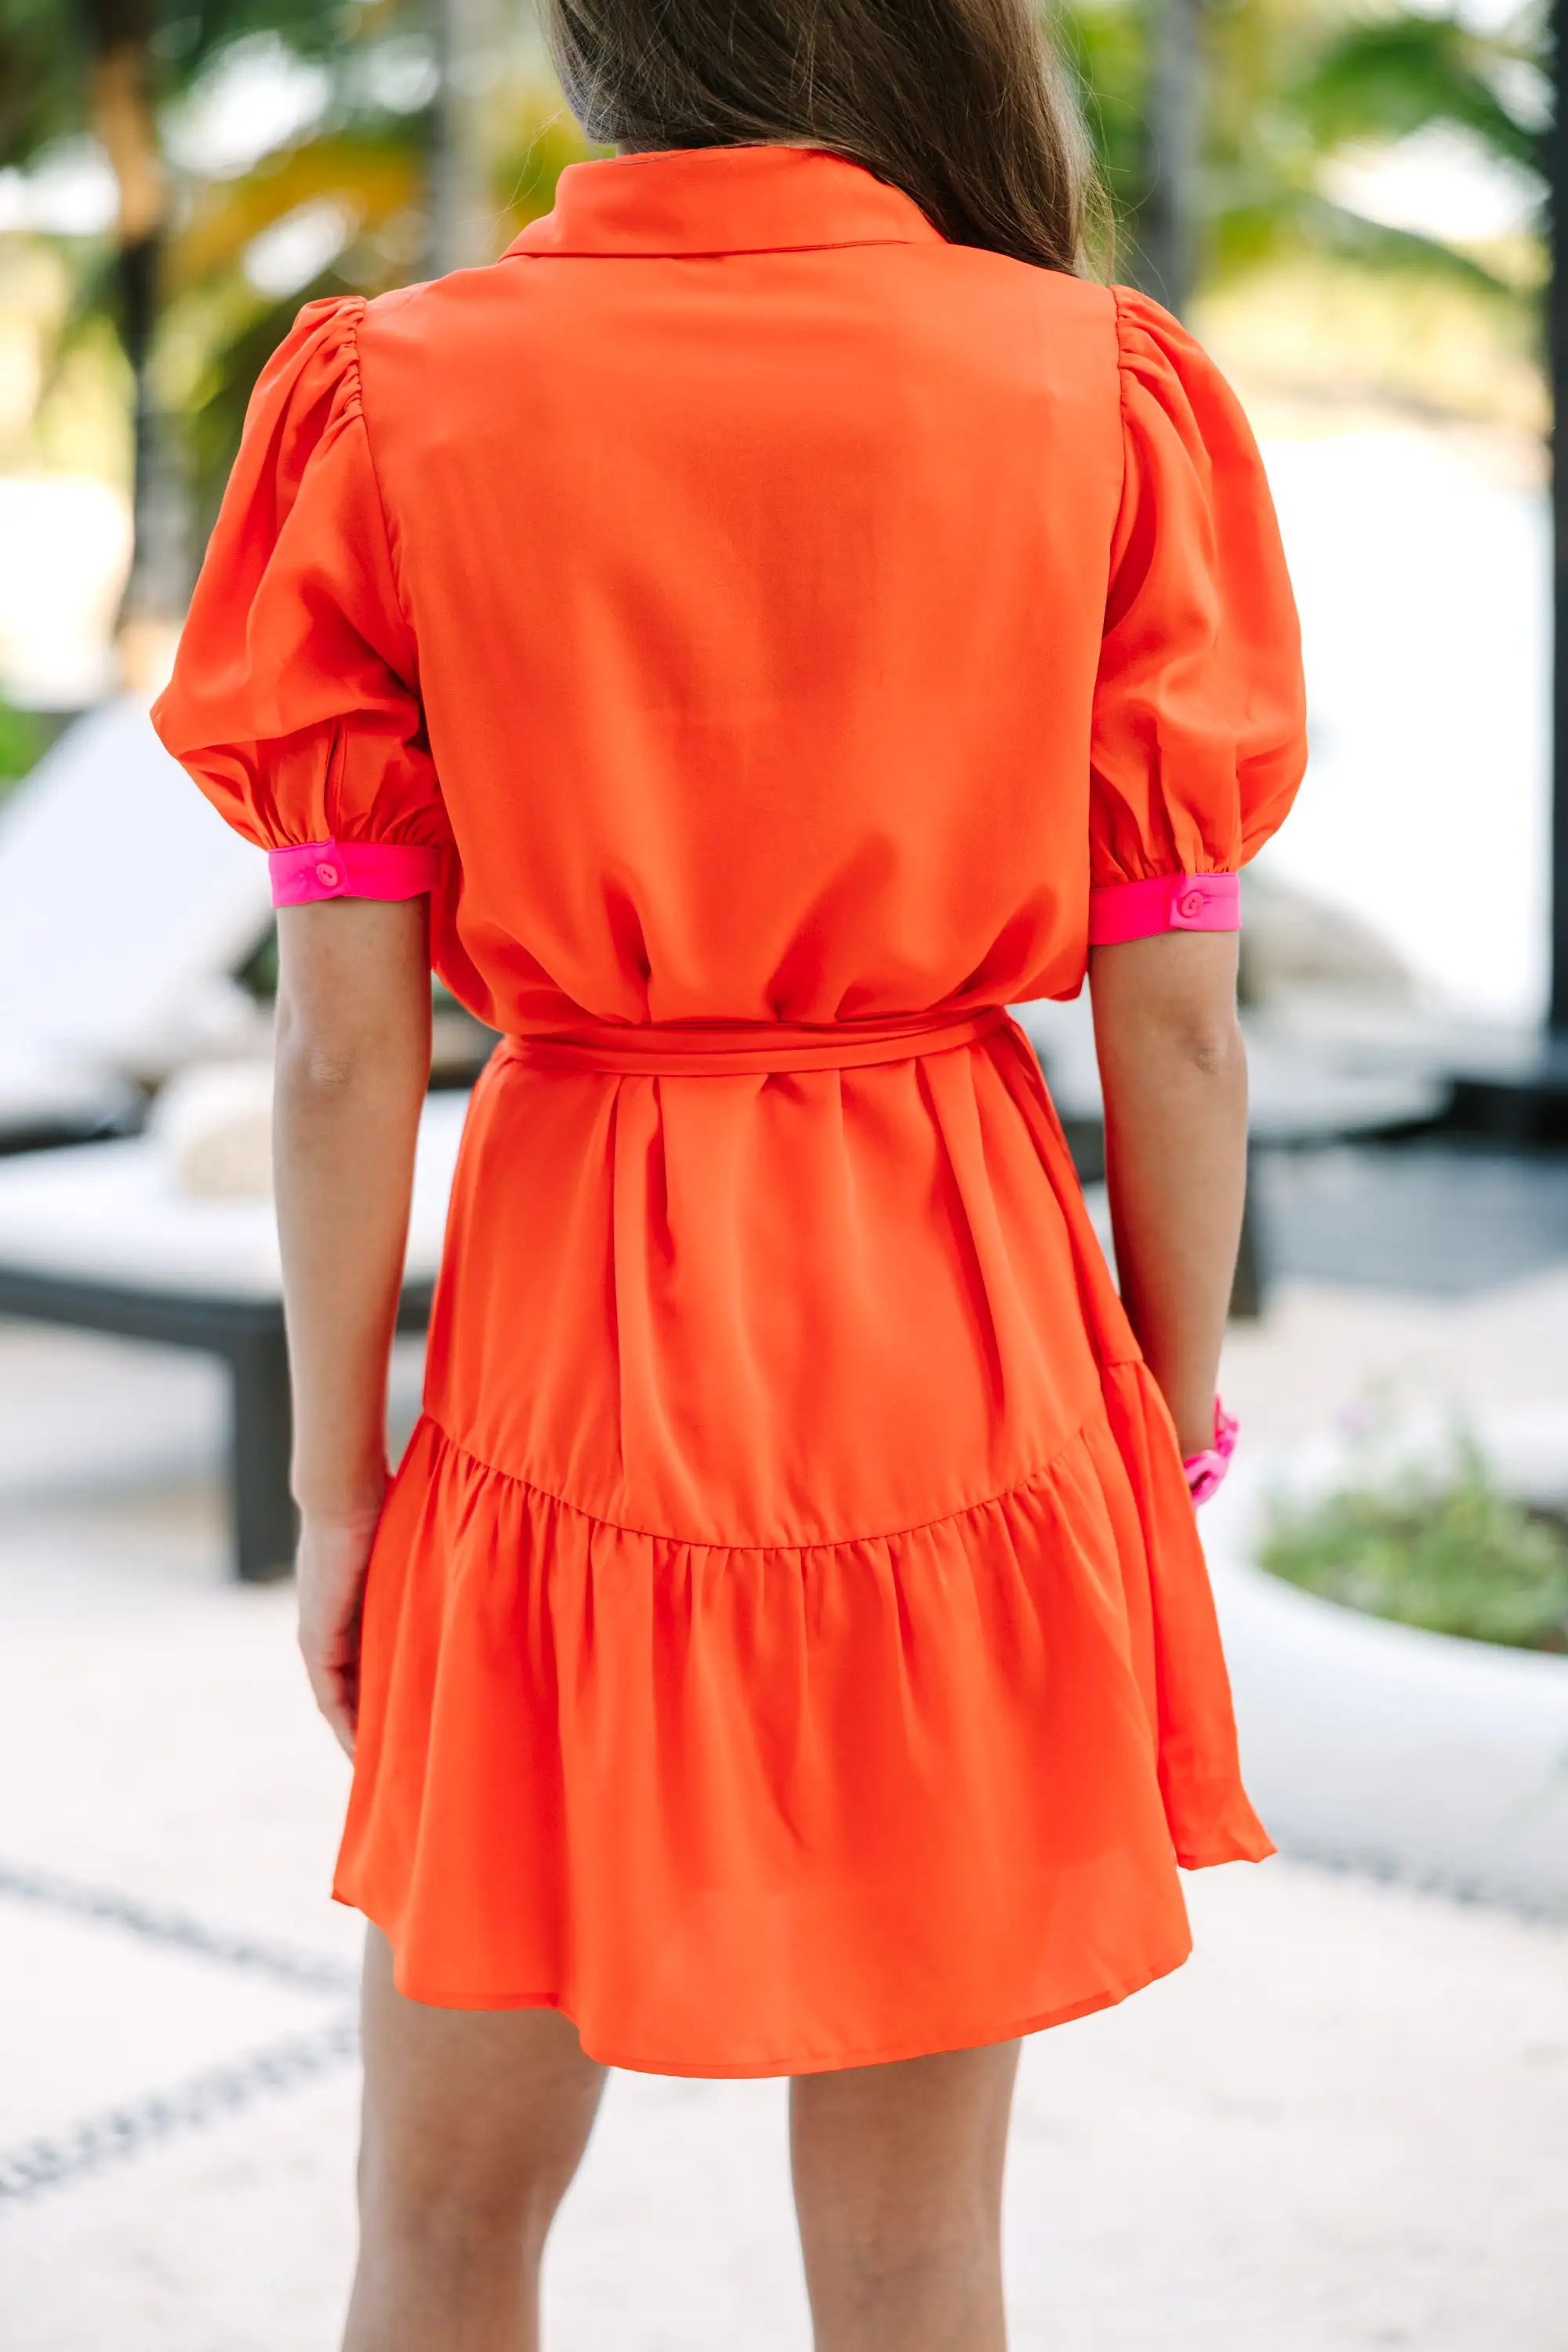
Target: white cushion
[{"x": 214, "y": 1123}]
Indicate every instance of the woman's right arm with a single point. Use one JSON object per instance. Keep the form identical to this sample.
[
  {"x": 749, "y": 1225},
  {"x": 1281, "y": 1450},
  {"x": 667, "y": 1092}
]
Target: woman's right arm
[{"x": 1174, "y": 1072}]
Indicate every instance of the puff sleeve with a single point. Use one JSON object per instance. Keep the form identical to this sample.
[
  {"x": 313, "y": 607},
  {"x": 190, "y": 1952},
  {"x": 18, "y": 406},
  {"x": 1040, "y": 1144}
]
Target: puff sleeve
[
  {"x": 294, "y": 700},
  {"x": 1199, "y": 729}
]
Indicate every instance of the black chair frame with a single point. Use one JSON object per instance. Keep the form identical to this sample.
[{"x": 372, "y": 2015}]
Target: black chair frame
[{"x": 247, "y": 1334}]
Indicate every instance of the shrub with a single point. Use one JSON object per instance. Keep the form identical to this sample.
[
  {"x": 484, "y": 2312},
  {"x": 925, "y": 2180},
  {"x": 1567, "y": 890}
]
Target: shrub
[{"x": 1440, "y": 1546}]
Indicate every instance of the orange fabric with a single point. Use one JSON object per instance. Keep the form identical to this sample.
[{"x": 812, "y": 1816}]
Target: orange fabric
[{"x": 787, "y": 1643}]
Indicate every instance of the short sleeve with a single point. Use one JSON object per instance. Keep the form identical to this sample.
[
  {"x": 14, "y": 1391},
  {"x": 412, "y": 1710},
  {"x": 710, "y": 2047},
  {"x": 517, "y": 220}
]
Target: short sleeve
[
  {"x": 1199, "y": 729},
  {"x": 294, "y": 700}
]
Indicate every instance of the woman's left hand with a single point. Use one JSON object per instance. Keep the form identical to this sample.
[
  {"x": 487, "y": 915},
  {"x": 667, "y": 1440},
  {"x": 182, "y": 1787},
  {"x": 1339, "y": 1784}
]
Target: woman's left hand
[
  {"x": 330, "y": 1564},
  {"x": 354, "y": 1056}
]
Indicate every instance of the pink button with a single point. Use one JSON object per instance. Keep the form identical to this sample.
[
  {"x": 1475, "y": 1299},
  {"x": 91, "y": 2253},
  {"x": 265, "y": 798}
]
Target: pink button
[
  {"x": 1192, "y": 904},
  {"x": 327, "y": 876}
]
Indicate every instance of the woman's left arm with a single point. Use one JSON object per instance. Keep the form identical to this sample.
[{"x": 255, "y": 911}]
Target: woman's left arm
[{"x": 354, "y": 1061}]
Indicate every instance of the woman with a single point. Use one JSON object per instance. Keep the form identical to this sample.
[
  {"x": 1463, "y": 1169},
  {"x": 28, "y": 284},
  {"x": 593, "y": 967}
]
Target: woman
[{"x": 775, "y": 617}]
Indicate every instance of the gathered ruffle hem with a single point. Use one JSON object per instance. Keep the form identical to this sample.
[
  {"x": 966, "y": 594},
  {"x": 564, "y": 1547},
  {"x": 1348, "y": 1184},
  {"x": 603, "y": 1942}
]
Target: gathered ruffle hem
[{"x": 772, "y": 1809}]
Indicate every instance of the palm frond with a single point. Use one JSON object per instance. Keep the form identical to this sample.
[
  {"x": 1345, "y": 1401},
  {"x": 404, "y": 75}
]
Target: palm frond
[
  {"x": 1287, "y": 223},
  {"x": 1384, "y": 81}
]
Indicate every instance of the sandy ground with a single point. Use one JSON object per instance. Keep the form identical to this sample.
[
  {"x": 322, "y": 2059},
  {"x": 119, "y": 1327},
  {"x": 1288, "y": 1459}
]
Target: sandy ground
[{"x": 1342, "y": 2125}]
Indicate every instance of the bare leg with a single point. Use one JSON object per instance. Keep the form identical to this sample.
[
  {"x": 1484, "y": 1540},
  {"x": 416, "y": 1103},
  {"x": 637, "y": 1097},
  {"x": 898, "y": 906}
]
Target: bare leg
[
  {"x": 898, "y": 2184},
  {"x": 474, "y": 2124}
]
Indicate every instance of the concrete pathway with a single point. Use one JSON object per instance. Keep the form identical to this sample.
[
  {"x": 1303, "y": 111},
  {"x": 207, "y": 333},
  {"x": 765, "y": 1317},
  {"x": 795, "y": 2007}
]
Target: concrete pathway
[{"x": 1341, "y": 2125}]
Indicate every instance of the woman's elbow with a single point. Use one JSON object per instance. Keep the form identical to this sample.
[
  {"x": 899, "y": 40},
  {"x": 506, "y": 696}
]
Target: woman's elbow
[
  {"x": 1209, "y": 1043},
  {"x": 354, "y": 997},
  {"x": 1169, "y": 1003},
  {"x": 317, "y": 1068},
  {"x": 325, "y": 1058},
  {"x": 1175, "y": 1040}
]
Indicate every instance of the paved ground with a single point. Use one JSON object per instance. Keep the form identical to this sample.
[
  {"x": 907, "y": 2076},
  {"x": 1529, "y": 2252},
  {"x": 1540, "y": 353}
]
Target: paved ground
[{"x": 1342, "y": 2126}]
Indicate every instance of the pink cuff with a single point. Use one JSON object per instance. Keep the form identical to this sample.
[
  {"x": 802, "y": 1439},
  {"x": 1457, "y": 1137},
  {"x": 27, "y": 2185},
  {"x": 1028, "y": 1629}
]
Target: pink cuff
[
  {"x": 350, "y": 869},
  {"x": 1168, "y": 902},
  {"x": 1204, "y": 1471}
]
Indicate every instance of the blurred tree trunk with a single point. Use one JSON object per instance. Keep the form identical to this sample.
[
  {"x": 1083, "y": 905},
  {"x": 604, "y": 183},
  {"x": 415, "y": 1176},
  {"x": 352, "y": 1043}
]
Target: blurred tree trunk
[
  {"x": 1167, "y": 222},
  {"x": 124, "y": 118},
  {"x": 461, "y": 214}
]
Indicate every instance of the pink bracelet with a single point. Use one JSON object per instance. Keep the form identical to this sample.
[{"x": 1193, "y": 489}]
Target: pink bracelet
[{"x": 1204, "y": 1471}]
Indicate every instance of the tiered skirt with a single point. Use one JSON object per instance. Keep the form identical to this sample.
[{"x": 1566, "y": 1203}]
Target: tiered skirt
[{"x": 767, "y": 1807}]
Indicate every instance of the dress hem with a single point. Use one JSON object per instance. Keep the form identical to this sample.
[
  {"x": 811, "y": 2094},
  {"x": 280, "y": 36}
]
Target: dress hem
[
  {"x": 1093, "y": 1558},
  {"x": 980, "y": 2037}
]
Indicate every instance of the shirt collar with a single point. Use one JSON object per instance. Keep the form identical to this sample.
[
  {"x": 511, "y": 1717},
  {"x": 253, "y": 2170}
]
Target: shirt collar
[{"x": 698, "y": 200}]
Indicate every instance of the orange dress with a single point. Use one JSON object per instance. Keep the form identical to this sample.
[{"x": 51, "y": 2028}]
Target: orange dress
[{"x": 787, "y": 1645}]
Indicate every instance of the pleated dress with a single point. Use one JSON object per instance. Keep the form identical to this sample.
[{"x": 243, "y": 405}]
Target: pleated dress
[{"x": 776, "y": 636}]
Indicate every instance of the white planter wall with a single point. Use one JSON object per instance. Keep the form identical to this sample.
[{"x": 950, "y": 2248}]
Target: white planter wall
[{"x": 1376, "y": 1744}]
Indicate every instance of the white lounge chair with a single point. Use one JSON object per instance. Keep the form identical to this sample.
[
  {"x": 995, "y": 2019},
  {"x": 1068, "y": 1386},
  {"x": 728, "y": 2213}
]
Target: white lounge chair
[
  {"x": 126, "y": 904},
  {"x": 106, "y": 1240}
]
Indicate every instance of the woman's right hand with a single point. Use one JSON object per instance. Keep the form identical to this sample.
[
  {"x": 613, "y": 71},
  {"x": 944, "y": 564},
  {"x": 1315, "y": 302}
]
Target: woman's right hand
[{"x": 330, "y": 1564}]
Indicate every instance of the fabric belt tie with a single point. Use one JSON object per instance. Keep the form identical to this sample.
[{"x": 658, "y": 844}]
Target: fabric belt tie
[
  {"x": 758, "y": 1048},
  {"x": 761, "y": 1048}
]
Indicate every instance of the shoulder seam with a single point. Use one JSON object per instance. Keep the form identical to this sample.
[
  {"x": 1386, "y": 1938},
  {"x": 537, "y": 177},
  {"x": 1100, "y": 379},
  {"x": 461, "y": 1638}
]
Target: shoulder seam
[
  {"x": 1116, "y": 295},
  {"x": 360, "y": 308}
]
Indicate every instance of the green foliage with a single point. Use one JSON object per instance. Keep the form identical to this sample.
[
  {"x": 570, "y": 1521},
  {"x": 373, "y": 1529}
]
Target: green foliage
[
  {"x": 1441, "y": 1547},
  {"x": 43, "y": 75},
  {"x": 1103, "y": 45},
  {"x": 23, "y": 739},
  {"x": 1389, "y": 78},
  {"x": 219, "y": 330},
  {"x": 365, "y": 154},
  {"x": 46, "y": 47},
  {"x": 1287, "y": 85}
]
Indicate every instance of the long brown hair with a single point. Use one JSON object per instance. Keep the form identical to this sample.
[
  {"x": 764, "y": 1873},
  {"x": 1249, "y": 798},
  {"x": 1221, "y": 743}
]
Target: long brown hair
[{"x": 960, "y": 103}]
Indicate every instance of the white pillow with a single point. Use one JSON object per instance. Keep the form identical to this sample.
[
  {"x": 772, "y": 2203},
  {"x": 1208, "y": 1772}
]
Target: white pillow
[{"x": 212, "y": 1122}]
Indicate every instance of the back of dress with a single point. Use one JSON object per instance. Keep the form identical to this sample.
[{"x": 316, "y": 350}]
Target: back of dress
[
  {"x": 747, "y": 546},
  {"x": 776, "y": 636}
]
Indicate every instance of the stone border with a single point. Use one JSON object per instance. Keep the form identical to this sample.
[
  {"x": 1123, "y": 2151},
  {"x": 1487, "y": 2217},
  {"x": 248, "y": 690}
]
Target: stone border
[
  {"x": 51, "y": 2159},
  {"x": 287, "y": 1964},
  {"x": 84, "y": 2147}
]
